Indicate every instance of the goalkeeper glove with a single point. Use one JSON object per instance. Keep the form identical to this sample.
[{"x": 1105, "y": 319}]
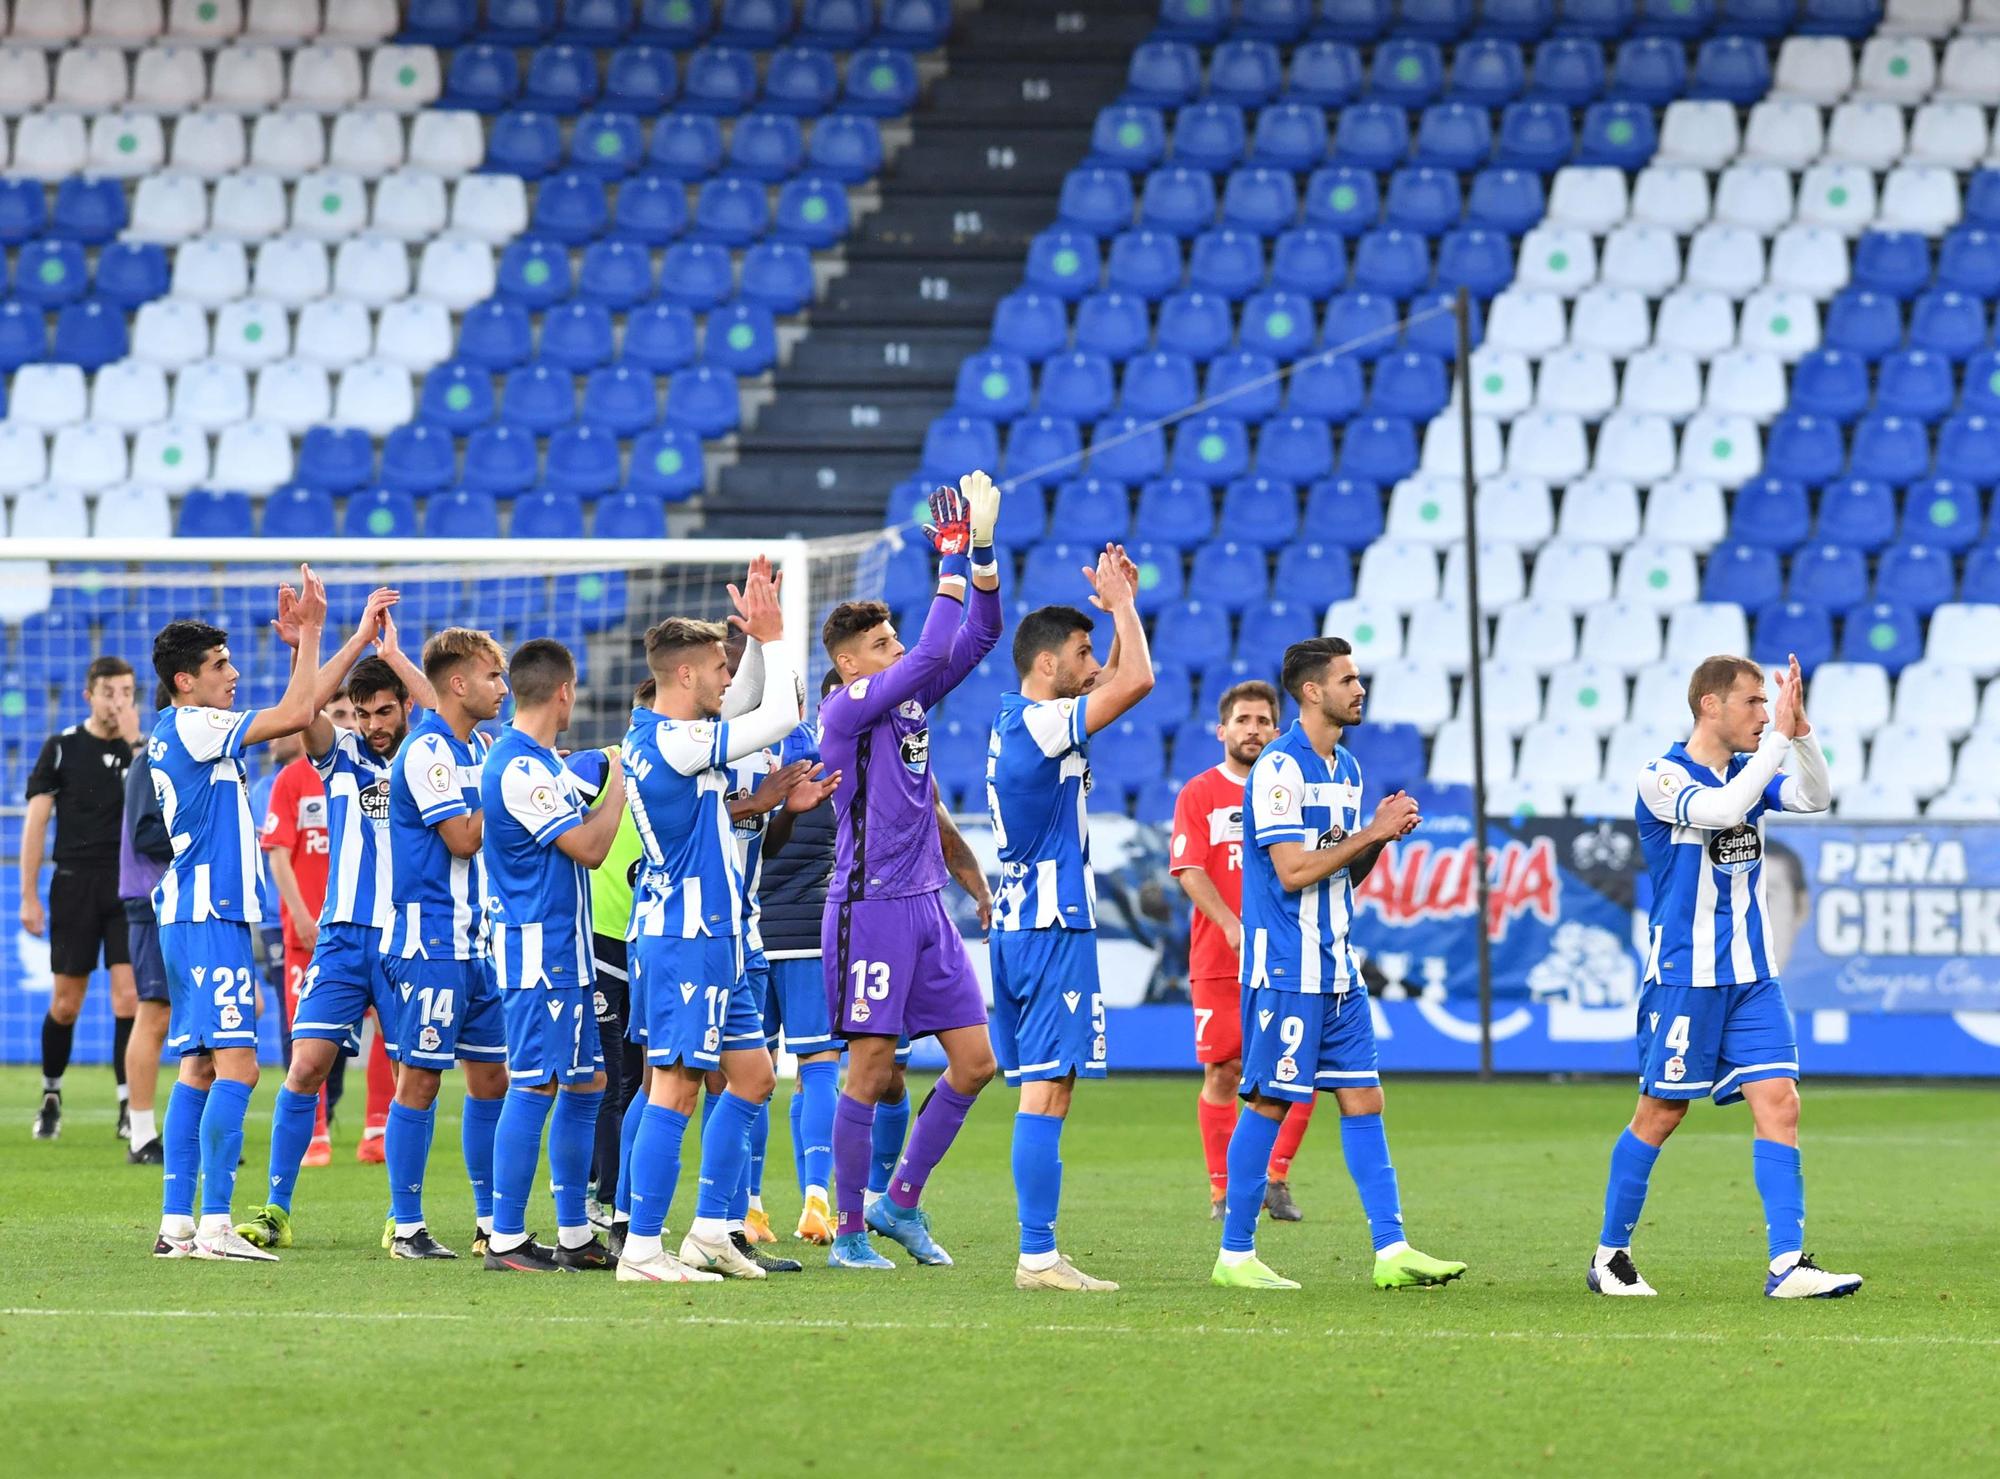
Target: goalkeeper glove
[
  {"x": 950, "y": 533},
  {"x": 982, "y": 501}
]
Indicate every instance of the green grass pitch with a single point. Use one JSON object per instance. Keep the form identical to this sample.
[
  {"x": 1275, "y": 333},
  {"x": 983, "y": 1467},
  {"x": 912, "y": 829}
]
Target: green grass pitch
[{"x": 338, "y": 1361}]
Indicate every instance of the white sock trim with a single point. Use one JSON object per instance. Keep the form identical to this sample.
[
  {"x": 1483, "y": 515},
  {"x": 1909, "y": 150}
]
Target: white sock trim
[
  {"x": 506, "y": 1242},
  {"x": 1035, "y": 1263},
  {"x": 816, "y": 1191},
  {"x": 638, "y": 1249},
  {"x": 1394, "y": 1250},
  {"x": 574, "y": 1237},
  {"x": 1231, "y": 1258},
  {"x": 709, "y": 1229}
]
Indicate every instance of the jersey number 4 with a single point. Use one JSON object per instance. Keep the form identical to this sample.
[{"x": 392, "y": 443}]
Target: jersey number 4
[{"x": 1677, "y": 1034}]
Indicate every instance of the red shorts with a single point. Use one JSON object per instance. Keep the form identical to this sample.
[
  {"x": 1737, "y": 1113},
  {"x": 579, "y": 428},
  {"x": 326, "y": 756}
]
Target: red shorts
[
  {"x": 297, "y": 960},
  {"x": 1218, "y": 1018}
]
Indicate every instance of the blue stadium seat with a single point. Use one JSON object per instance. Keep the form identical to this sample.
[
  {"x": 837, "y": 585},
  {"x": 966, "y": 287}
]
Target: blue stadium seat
[
  {"x": 1890, "y": 449},
  {"x": 547, "y": 514},
  {"x": 666, "y": 464},
  {"x": 1244, "y": 71},
  {"x": 1192, "y": 20},
  {"x": 608, "y": 145},
  {"x": 1857, "y": 512},
  {"x": 615, "y": 274},
  {"x": 1408, "y": 383},
  {"x": 719, "y": 79},
  {"x": 1619, "y": 134},
  {"x": 1407, "y": 73},
  {"x": 881, "y": 81},
  {"x": 457, "y": 396},
  {"x": 1867, "y": 325},
  {"x": 499, "y": 460},
  {"x": 1391, "y": 756},
  {"x": 298, "y": 512},
  {"x": 1787, "y": 628},
  {"x": 1030, "y": 324},
  {"x": 1123, "y": 757},
  {"x": 1309, "y": 261},
  {"x": 1127, "y": 136},
  {"x": 1042, "y": 448},
  {"x": 1277, "y": 323},
  {"x": 419, "y": 458},
  {"x": 1357, "y": 323},
  {"x": 1097, "y": 201},
  {"x": 1982, "y": 198},
  {"x": 741, "y": 338},
  {"x": 1213, "y": 449},
  {"x": 1078, "y": 384},
  {"x": 1915, "y": 383},
  {"x": 1968, "y": 449},
  {"x": 1315, "y": 574},
  {"x": 630, "y": 514},
  {"x": 1176, "y": 512},
  {"x": 1436, "y": 20},
  {"x": 561, "y": 79},
  {"x": 1391, "y": 262},
  {"x": 1372, "y": 136},
  {"x": 1599, "y": 18},
  {"x": 24, "y": 209},
  {"x": 640, "y": 79},
  {"x": 1127, "y": 450},
  {"x": 1839, "y": 17},
  {"x": 1916, "y": 575},
  {"x": 89, "y": 209},
  {"x": 379, "y": 513},
  {"x": 49, "y": 273},
  {"x": 1114, "y": 325},
  {"x": 1209, "y": 136},
  {"x": 686, "y": 146},
  {"x": 660, "y": 337},
  {"x": 1289, "y": 136},
  {"x": 1294, "y": 450},
  {"x": 954, "y": 442},
  {"x": 571, "y": 207},
  {"x": 754, "y": 23},
  {"x": 1649, "y": 69},
  {"x": 1344, "y": 199},
  {"x": 1064, "y": 262},
  {"x": 1969, "y": 261},
  {"x": 496, "y": 335},
  {"x": 1568, "y": 71},
  {"x": 1172, "y": 698},
  {"x": 1949, "y": 323},
  {"x": 1488, "y": 72},
  {"x": 1758, "y": 17},
  {"x": 803, "y": 81},
  {"x": 90, "y": 334},
  {"x": 1982, "y": 383},
  {"x": 1982, "y": 576},
  {"x": 1325, "y": 73},
  {"x": 335, "y": 459},
  {"x": 1049, "y": 576},
  {"x": 1423, "y": 200},
  {"x": 1024, "y": 516},
  {"x": 1885, "y": 633},
  {"x": 1834, "y": 576},
  {"x": 703, "y": 400},
  {"x": 212, "y": 515},
  {"x": 24, "y": 336},
  {"x": 840, "y": 25},
  {"x": 534, "y": 272},
  {"x": 1453, "y": 136},
  {"x": 845, "y": 147},
  {"x": 1682, "y": 18},
  {"x": 1159, "y": 383},
  {"x": 130, "y": 273},
  {"x": 1534, "y": 135},
  {"x": 582, "y": 463},
  {"x": 1744, "y": 574},
  {"x": 1229, "y": 574},
  {"x": 1191, "y": 322},
  {"x": 577, "y": 336},
  {"x": 696, "y": 274},
  {"x": 462, "y": 514},
  {"x": 1092, "y": 512},
  {"x": 1378, "y": 449},
  {"x": 1274, "y": 20},
  {"x": 1327, "y": 389},
  {"x": 1160, "y": 582},
  {"x": 731, "y": 211},
  {"x": 1941, "y": 514},
  {"x": 485, "y": 78},
  {"x": 519, "y": 22},
  {"x": 597, "y": 22},
  {"x": 1269, "y": 627},
  {"x": 1808, "y": 447},
  {"x": 1732, "y": 68},
  {"x": 1261, "y": 511},
  {"x": 1242, "y": 384},
  {"x": 439, "y": 22},
  {"x": 1508, "y": 200},
  {"x": 524, "y": 142},
  {"x": 1475, "y": 258},
  {"x": 625, "y": 401},
  {"x": 1260, "y": 200},
  {"x": 1163, "y": 73},
  {"x": 1195, "y": 632},
  {"x": 995, "y": 385},
  {"x": 1178, "y": 201},
  {"x": 1517, "y": 20},
  {"x": 1832, "y": 381},
  {"x": 767, "y": 146},
  {"x": 1771, "y": 511},
  {"x": 811, "y": 212}
]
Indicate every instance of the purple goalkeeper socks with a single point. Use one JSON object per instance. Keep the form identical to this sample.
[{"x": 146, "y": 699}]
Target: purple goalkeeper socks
[
  {"x": 853, "y": 1126},
  {"x": 937, "y": 1126}
]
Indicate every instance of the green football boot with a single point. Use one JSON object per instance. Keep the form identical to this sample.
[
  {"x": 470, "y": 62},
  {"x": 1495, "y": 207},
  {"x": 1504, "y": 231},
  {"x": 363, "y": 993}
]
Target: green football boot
[
  {"x": 1410, "y": 1269},
  {"x": 1251, "y": 1273},
  {"x": 388, "y": 1233},
  {"x": 269, "y": 1227}
]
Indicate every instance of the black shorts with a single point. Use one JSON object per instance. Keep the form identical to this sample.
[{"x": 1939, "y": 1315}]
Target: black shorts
[
  {"x": 613, "y": 988},
  {"x": 86, "y": 918},
  {"x": 149, "y": 967}
]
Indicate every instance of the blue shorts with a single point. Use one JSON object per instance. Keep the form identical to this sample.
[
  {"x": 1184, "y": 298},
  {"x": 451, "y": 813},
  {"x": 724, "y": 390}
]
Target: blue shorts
[
  {"x": 1048, "y": 1015},
  {"x": 696, "y": 1006},
  {"x": 212, "y": 978},
  {"x": 348, "y": 975},
  {"x": 1699, "y": 1042},
  {"x": 795, "y": 1006},
  {"x": 449, "y": 1010},
  {"x": 149, "y": 967},
  {"x": 551, "y": 1036},
  {"x": 1295, "y": 1043}
]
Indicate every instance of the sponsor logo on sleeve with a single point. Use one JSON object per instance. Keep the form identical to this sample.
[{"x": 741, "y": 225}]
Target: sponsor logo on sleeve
[
  {"x": 543, "y": 799},
  {"x": 858, "y": 689}
]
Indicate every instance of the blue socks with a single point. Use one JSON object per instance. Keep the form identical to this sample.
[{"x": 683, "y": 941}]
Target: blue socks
[
  {"x": 760, "y": 1141},
  {"x": 654, "y": 1166},
  {"x": 1625, "y": 1192},
  {"x": 482, "y": 1119},
  {"x": 1038, "y": 1178},
  {"x": 1781, "y": 1183},
  {"x": 892, "y": 1124},
  {"x": 812, "y": 1125},
  {"x": 517, "y": 1150},
  {"x": 725, "y": 1148},
  {"x": 180, "y": 1150},
  {"x": 1249, "y": 1169},
  {"x": 572, "y": 1136},
  {"x": 291, "y": 1132},
  {"x": 1366, "y": 1145},
  {"x": 222, "y": 1144},
  {"x": 628, "y": 1136},
  {"x": 406, "y": 1147}
]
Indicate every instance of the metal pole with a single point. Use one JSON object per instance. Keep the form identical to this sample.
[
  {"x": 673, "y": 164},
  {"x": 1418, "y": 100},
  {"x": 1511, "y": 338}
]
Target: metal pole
[{"x": 1475, "y": 696}]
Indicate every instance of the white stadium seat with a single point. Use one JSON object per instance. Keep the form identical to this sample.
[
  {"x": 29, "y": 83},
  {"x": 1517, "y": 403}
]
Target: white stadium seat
[
  {"x": 457, "y": 271},
  {"x": 1697, "y": 320},
  {"x": 1787, "y": 132},
  {"x": 252, "y": 332},
  {"x": 1663, "y": 576},
  {"x": 410, "y": 204},
  {"x": 1633, "y": 447},
  {"x": 208, "y": 144},
  {"x": 1809, "y": 259},
  {"x": 1727, "y": 449},
  {"x": 248, "y": 205},
  {"x": 1868, "y": 134},
  {"x": 1751, "y": 381},
  {"x": 1780, "y": 321},
  {"x": 129, "y": 394},
  {"x": 1817, "y": 68},
  {"x": 91, "y": 78},
  {"x": 51, "y": 146},
  {"x": 1503, "y": 383},
  {"x": 404, "y": 77},
  {"x": 1397, "y": 573},
  {"x": 1688, "y": 511},
  {"x": 1512, "y": 695},
  {"x": 1920, "y": 197},
  {"x": 1971, "y": 69},
  {"x": 1616, "y": 320},
  {"x": 171, "y": 332},
  {"x": 1605, "y": 798},
  {"x": 170, "y": 455},
  {"x": 247, "y": 75},
  {"x": 1451, "y": 755},
  {"x": 1536, "y": 634},
  {"x": 447, "y": 142},
  {"x": 1520, "y": 799},
  {"x": 253, "y": 457},
  {"x": 1757, "y": 197},
  {"x": 46, "y": 396},
  {"x": 1570, "y": 574},
  {"x": 204, "y": 20},
  {"x": 211, "y": 393},
  {"x": 371, "y": 269},
  {"x": 1503, "y": 577},
  {"x": 329, "y": 204},
  {"x": 1838, "y": 195},
  {"x": 24, "y": 456},
  {"x": 1577, "y": 382},
  {"x": 1409, "y": 691},
  {"x": 24, "y": 79},
  {"x": 1428, "y": 510},
  {"x": 1559, "y": 755},
  {"x": 367, "y": 141},
  {"x": 170, "y": 78},
  {"x": 1662, "y": 382},
  {"x": 1966, "y": 636},
  {"x": 1557, "y": 259},
  {"x": 1373, "y": 629},
  {"x": 375, "y": 395},
  {"x": 490, "y": 207},
  {"x": 1600, "y": 510},
  {"x": 48, "y": 22},
  {"x": 288, "y": 143},
  {"x": 1671, "y": 195},
  {"x": 1547, "y": 445},
  {"x": 1589, "y": 197},
  {"x": 1857, "y": 692},
  {"x": 126, "y": 145},
  {"x": 49, "y": 512},
  {"x": 292, "y": 269},
  {"x": 284, "y": 20},
  {"x": 1636, "y": 744},
  {"x": 414, "y": 333},
  {"x": 1726, "y": 259},
  {"x": 211, "y": 271},
  {"x": 1897, "y": 69},
  {"x": 1939, "y": 696},
  {"x": 1915, "y": 755},
  {"x": 1516, "y": 509},
  {"x": 1527, "y": 321},
  {"x": 1952, "y": 134},
  {"x": 1640, "y": 256},
  {"x": 360, "y": 22},
  {"x": 126, "y": 22},
  {"x": 1876, "y": 801},
  {"x": 1443, "y": 453},
  {"x": 1701, "y": 133},
  {"x": 1933, "y": 18},
  {"x": 88, "y": 456},
  {"x": 1702, "y": 629},
  {"x": 1586, "y": 695},
  {"x": 169, "y": 208},
  {"x": 1622, "y": 633},
  {"x": 325, "y": 78},
  {"x": 132, "y": 512},
  {"x": 334, "y": 332},
  {"x": 1659, "y": 695},
  {"x": 1961, "y": 804}
]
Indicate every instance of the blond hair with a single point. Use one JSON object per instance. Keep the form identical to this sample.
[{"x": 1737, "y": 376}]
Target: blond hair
[{"x": 455, "y": 645}]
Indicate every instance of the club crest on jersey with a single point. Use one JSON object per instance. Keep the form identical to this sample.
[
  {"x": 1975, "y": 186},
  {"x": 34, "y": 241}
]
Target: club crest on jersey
[
  {"x": 711, "y": 1039},
  {"x": 600, "y": 1004},
  {"x": 231, "y": 1017},
  {"x": 910, "y": 709},
  {"x": 916, "y": 748},
  {"x": 1097, "y": 1046},
  {"x": 1676, "y": 1069},
  {"x": 1287, "y": 1069},
  {"x": 858, "y": 1012},
  {"x": 428, "y": 1040},
  {"x": 1736, "y": 849}
]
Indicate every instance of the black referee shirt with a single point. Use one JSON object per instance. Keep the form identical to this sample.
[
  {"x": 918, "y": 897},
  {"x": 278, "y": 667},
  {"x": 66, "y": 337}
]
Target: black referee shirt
[{"x": 86, "y": 775}]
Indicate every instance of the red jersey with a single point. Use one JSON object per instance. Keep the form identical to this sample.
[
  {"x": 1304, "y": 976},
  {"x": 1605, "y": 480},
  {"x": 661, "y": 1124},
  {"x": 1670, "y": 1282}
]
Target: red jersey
[
  {"x": 1208, "y": 834},
  {"x": 295, "y": 825}
]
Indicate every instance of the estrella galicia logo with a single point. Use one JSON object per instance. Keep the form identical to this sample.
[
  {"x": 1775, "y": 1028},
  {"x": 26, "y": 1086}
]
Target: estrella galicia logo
[
  {"x": 1736, "y": 849},
  {"x": 916, "y": 746},
  {"x": 374, "y": 800}
]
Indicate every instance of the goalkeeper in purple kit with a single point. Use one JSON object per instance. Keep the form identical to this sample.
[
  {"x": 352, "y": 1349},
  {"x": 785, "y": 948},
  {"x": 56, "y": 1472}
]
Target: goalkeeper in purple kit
[{"x": 895, "y": 964}]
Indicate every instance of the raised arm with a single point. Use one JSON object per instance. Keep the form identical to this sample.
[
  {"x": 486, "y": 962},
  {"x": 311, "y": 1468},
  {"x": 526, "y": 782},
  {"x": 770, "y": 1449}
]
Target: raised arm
[
  {"x": 777, "y": 709},
  {"x": 333, "y": 672},
  {"x": 1129, "y": 677},
  {"x": 296, "y": 709},
  {"x": 389, "y": 648},
  {"x": 1809, "y": 788}
]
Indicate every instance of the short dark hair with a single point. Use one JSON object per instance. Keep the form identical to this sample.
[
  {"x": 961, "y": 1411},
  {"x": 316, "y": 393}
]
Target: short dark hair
[
  {"x": 108, "y": 666},
  {"x": 182, "y": 647},
  {"x": 1046, "y": 629},
  {"x": 373, "y": 675},
  {"x": 538, "y": 668},
  {"x": 1251, "y": 690},
  {"x": 1717, "y": 675},
  {"x": 1305, "y": 662},
  {"x": 849, "y": 620},
  {"x": 667, "y": 641},
  {"x": 830, "y": 682},
  {"x": 644, "y": 694}
]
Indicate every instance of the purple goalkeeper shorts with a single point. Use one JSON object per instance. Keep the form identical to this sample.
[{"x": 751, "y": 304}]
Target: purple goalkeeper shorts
[{"x": 897, "y": 967}]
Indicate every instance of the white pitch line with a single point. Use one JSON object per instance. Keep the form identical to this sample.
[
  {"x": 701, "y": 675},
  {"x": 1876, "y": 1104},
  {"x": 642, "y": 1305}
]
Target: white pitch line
[{"x": 1702, "y": 1337}]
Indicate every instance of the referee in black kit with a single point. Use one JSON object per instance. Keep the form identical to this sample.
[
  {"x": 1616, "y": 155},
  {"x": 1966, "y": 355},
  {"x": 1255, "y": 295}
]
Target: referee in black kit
[{"x": 80, "y": 780}]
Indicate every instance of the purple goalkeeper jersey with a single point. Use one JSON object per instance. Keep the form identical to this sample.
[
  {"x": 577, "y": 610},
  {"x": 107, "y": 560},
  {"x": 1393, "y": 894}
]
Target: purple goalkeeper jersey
[{"x": 876, "y": 734}]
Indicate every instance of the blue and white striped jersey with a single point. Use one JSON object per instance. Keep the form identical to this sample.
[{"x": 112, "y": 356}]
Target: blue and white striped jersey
[
  {"x": 1298, "y": 941},
  {"x": 677, "y": 785},
  {"x": 537, "y": 896},
  {"x": 1037, "y": 779},
  {"x": 196, "y": 759},
  {"x": 745, "y": 775},
  {"x": 357, "y": 830},
  {"x": 438, "y": 898}
]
